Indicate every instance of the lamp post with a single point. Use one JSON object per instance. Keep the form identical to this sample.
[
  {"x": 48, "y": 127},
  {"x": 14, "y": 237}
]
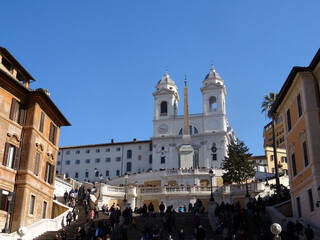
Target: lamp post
[
  {"x": 95, "y": 175},
  {"x": 211, "y": 177},
  {"x": 6, "y": 229},
  {"x": 125, "y": 187},
  {"x": 100, "y": 187},
  {"x": 266, "y": 170},
  {"x": 247, "y": 191}
]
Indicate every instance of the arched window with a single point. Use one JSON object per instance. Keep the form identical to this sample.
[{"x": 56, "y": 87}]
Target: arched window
[
  {"x": 164, "y": 108},
  {"x": 193, "y": 130},
  {"x": 212, "y": 104},
  {"x": 129, "y": 154},
  {"x": 128, "y": 166},
  {"x": 97, "y": 174},
  {"x": 76, "y": 175},
  {"x": 107, "y": 173},
  {"x": 214, "y": 152}
]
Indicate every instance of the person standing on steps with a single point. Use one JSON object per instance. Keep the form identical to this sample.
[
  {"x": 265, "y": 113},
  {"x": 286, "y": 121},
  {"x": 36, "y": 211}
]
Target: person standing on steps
[
  {"x": 69, "y": 218},
  {"x": 161, "y": 208},
  {"x": 65, "y": 196}
]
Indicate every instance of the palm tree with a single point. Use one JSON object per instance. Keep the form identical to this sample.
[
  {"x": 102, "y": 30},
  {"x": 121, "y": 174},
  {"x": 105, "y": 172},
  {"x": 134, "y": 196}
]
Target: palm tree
[{"x": 266, "y": 105}]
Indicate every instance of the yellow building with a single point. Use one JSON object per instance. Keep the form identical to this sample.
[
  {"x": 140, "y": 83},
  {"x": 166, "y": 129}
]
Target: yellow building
[
  {"x": 298, "y": 104},
  {"x": 279, "y": 132},
  {"x": 29, "y": 135},
  {"x": 282, "y": 160}
]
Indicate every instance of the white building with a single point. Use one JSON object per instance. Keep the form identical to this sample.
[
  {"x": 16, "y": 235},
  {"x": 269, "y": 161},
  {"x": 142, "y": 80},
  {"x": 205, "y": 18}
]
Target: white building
[{"x": 209, "y": 130}]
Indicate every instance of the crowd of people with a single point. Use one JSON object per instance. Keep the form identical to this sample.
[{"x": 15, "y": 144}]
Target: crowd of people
[{"x": 253, "y": 223}]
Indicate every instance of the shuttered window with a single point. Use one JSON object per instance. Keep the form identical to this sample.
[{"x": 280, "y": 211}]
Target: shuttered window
[
  {"x": 41, "y": 122},
  {"x": 11, "y": 156},
  {"x": 17, "y": 112},
  {"x": 36, "y": 164},
  {"x": 53, "y": 133},
  {"x": 49, "y": 173}
]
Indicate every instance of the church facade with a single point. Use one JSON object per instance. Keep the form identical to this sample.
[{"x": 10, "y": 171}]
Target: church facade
[{"x": 205, "y": 136}]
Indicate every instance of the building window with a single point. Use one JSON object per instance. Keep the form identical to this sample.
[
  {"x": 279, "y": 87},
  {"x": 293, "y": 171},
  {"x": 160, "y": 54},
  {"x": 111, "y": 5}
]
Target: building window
[
  {"x": 108, "y": 159},
  {"x": 271, "y": 158},
  {"x": 107, "y": 149},
  {"x": 97, "y": 150},
  {"x": 305, "y": 154},
  {"x": 299, "y": 207},
  {"x": 68, "y": 162},
  {"x": 289, "y": 120},
  {"x": 285, "y": 172},
  {"x": 77, "y": 161},
  {"x": 97, "y": 173},
  {"x": 118, "y": 149},
  {"x": 118, "y": 173},
  {"x": 6, "y": 64},
  {"x": 76, "y": 175},
  {"x": 118, "y": 159},
  {"x": 44, "y": 209},
  {"x": 139, "y": 157},
  {"x": 4, "y": 200},
  {"x": 107, "y": 173},
  {"x": 128, "y": 166},
  {"x": 310, "y": 200},
  {"x": 97, "y": 160},
  {"x": 150, "y": 158},
  {"x": 212, "y": 104},
  {"x": 49, "y": 173},
  {"x": 53, "y": 133},
  {"x": 58, "y": 163},
  {"x": 78, "y": 152},
  {"x": 87, "y": 151},
  {"x": 59, "y": 153},
  {"x": 31, "y": 206},
  {"x": 86, "y": 174},
  {"x": 41, "y": 122},
  {"x": 36, "y": 164},
  {"x": 150, "y": 147},
  {"x": 87, "y": 161},
  {"x": 163, "y": 108},
  {"x": 294, "y": 166},
  {"x": 17, "y": 112},
  {"x": 299, "y": 105},
  {"x": 67, "y": 152},
  {"x": 11, "y": 156},
  {"x": 284, "y": 159},
  {"x": 129, "y": 154},
  {"x": 163, "y": 159}
]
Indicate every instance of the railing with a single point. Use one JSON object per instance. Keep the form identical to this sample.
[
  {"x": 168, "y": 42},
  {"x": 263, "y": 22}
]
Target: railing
[
  {"x": 144, "y": 190},
  {"x": 187, "y": 171}
]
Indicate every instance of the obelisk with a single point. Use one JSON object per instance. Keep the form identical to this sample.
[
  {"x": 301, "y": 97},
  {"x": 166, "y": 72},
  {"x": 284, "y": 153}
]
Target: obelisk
[{"x": 186, "y": 150}]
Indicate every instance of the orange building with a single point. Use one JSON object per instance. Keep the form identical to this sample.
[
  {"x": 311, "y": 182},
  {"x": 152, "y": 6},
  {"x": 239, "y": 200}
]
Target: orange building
[
  {"x": 298, "y": 104},
  {"x": 29, "y": 134}
]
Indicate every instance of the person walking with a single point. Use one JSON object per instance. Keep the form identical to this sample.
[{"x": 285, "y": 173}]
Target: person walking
[
  {"x": 309, "y": 233},
  {"x": 161, "y": 208},
  {"x": 69, "y": 218}
]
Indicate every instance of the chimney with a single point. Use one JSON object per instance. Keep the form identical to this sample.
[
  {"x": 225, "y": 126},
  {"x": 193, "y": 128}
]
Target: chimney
[
  {"x": 134, "y": 139},
  {"x": 112, "y": 140}
]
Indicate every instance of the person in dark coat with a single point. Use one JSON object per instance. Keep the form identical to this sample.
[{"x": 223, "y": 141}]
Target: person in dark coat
[
  {"x": 201, "y": 233},
  {"x": 161, "y": 208}
]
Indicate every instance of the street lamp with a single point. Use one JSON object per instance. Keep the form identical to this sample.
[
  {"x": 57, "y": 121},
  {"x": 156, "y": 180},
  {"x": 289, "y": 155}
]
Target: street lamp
[
  {"x": 125, "y": 187},
  {"x": 100, "y": 187},
  {"x": 211, "y": 177},
  {"x": 95, "y": 175},
  {"x": 6, "y": 229},
  {"x": 247, "y": 191},
  {"x": 265, "y": 165}
]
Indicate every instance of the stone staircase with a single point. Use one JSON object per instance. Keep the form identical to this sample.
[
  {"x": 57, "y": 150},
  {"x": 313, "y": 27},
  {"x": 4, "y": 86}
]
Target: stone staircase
[{"x": 183, "y": 220}]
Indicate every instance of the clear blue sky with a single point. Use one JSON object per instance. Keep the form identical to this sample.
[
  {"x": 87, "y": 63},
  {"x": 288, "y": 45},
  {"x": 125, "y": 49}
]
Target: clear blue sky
[{"x": 102, "y": 59}]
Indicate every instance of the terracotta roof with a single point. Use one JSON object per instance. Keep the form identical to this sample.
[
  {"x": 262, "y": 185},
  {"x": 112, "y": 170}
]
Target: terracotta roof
[{"x": 14, "y": 61}]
